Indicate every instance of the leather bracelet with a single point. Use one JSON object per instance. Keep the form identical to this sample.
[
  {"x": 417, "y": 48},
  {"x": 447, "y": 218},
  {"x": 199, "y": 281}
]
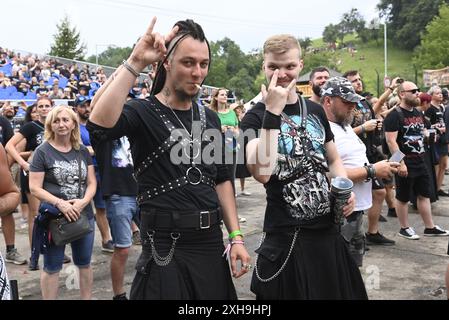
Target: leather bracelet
[
  {"x": 370, "y": 171},
  {"x": 130, "y": 68},
  {"x": 271, "y": 121}
]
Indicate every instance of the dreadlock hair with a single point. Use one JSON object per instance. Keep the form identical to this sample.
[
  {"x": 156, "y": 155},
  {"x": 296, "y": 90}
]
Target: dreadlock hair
[{"x": 186, "y": 28}]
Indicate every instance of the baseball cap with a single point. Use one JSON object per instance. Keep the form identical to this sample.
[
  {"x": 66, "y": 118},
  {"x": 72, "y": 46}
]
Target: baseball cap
[
  {"x": 81, "y": 100},
  {"x": 340, "y": 87}
]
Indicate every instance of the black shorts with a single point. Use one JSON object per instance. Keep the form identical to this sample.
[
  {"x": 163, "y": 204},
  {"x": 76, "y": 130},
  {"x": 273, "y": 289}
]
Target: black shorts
[
  {"x": 441, "y": 150},
  {"x": 420, "y": 186},
  {"x": 377, "y": 184}
]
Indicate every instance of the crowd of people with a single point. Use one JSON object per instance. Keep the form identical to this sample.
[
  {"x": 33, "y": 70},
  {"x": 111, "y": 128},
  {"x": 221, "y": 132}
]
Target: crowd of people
[{"x": 126, "y": 154}]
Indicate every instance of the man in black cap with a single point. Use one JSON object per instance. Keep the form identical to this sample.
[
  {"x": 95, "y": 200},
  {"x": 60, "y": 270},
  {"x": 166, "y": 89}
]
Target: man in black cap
[
  {"x": 182, "y": 197},
  {"x": 339, "y": 100}
]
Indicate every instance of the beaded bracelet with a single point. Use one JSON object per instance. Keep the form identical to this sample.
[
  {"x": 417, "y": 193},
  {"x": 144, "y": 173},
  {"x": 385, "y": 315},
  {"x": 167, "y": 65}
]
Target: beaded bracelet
[{"x": 235, "y": 233}]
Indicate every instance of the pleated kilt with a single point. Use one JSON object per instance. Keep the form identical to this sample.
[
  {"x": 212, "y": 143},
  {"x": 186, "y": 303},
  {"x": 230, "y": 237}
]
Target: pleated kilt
[
  {"x": 319, "y": 268},
  {"x": 198, "y": 271}
]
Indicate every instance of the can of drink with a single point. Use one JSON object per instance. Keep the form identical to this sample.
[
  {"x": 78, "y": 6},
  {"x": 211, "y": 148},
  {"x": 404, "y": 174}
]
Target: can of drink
[{"x": 341, "y": 189}]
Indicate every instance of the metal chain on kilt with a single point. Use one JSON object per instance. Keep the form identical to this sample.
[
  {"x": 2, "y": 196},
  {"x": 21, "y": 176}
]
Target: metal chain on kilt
[
  {"x": 159, "y": 260},
  {"x": 283, "y": 265}
]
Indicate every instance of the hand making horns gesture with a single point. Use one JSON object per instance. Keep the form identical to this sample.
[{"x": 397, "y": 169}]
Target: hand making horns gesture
[
  {"x": 275, "y": 98},
  {"x": 151, "y": 47}
]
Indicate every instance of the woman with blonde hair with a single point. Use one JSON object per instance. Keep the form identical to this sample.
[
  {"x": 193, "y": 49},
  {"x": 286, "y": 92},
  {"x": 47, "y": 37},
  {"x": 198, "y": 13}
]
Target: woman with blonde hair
[{"x": 62, "y": 174}]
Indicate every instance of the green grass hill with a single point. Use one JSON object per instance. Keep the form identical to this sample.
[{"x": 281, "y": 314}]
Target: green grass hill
[{"x": 369, "y": 57}]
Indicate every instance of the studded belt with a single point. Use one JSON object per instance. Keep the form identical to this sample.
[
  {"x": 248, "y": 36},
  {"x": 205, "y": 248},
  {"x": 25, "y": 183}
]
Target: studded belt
[{"x": 175, "y": 184}]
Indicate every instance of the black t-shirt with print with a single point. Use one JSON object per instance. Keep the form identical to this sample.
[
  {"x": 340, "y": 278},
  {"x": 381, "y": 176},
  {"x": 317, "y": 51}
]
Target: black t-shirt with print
[
  {"x": 62, "y": 171},
  {"x": 143, "y": 126},
  {"x": 116, "y": 168},
  {"x": 6, "y": 131},
  {"x": 298, "y": 191},
  {"x": 34, "y": 133},
  {"x": 410, "y": 138},
  {"x": 434, "y": 114}
]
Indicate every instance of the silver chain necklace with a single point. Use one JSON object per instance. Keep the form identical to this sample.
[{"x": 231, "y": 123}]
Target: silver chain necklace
[
  {"x": 191, "y": 141},
  {"x": 179, "y": 120}
]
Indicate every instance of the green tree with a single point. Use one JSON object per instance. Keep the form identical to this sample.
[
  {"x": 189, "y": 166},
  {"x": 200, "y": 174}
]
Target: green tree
[
  {"x": 352, "y": 21},
  {"x": 112, "y": 56},
  {"x": 305, "y": 43},
  {"x": 323, "y": 58},
  {"x": 67, "y": 42},
  {"x": 407, "y": 19},
  {"x": 242, "y": 85},
  {"x": 231, "y": 68},
  {"x": 434, "y": 48},
  {"x": 331, "y": 33}
]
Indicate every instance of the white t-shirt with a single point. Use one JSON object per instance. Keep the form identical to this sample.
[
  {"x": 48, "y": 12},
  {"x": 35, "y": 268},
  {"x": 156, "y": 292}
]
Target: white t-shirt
[
  {"x": 4, "y": 283},
  {"x": 352, "y": 152}
]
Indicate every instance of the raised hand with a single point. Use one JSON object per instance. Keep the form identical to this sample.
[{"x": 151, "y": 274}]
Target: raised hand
[
  {"x": 151, "y": 47},
  {"x": 275, "y": 97}
]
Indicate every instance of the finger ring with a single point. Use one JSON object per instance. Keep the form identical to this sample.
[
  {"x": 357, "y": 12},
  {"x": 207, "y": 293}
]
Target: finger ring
[{"x": 246, "y": 266}]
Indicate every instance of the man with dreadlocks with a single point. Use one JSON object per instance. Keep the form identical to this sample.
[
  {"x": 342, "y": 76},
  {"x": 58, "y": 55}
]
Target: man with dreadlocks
[{"x": 182, "y": 197}]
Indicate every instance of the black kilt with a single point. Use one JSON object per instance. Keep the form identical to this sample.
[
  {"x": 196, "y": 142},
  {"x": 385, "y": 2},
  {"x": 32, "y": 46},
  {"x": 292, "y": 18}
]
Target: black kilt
[
  {"x": 198, "y": 271},
  {"x": 319, "y": 268},
  {"x": 242, "y": 171}
]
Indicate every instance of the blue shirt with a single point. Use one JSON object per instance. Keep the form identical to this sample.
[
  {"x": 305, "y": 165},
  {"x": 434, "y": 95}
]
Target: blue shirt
[{"x": 85, "y": 138}]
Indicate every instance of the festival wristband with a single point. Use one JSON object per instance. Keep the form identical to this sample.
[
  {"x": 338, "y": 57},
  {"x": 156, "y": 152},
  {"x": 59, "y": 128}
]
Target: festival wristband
[
  {"x": 271, "y": 121},
  {"x": 235, "y": 233}
]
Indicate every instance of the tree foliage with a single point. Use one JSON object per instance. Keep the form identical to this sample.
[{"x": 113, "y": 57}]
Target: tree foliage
[
  {"x": 305, "y": 43},
  {"x": 351, "y": 21},
  {"x": 112, "y": 56},
  {"x": 331, "y": 33},
  {"x": 407, "y": 19},
  {"x": 233, "y": 69},
  {"x": 67, "y": 42},
  {"x": 322, "y": 58},
  {"x": 434, "y": 48}
]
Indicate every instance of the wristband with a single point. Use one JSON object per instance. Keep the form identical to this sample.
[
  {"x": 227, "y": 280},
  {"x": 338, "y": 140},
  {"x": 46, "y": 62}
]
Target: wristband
[
  {"x": 130, "y": 68},
  {"x": 237, "y": 242},
  {"x": 235, "y": 233},
  {"x": 370, "y": 172},
  {"x": 363, "y": 129},
  {"x": 271, "y": 121}
]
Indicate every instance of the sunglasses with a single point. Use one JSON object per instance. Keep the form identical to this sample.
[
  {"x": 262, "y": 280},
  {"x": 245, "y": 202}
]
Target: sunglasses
[{"x": 413, "y": 91}]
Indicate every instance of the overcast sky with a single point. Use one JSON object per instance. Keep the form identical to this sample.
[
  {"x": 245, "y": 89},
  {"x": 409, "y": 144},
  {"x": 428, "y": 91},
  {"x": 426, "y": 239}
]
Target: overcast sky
[{"x": 29, "y": 25}]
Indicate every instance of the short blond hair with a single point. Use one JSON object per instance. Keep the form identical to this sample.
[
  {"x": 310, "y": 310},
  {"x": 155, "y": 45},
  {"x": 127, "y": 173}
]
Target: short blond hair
[
  {"x": 281, "y": 43},
  {"x": 75, "y": 136}
]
